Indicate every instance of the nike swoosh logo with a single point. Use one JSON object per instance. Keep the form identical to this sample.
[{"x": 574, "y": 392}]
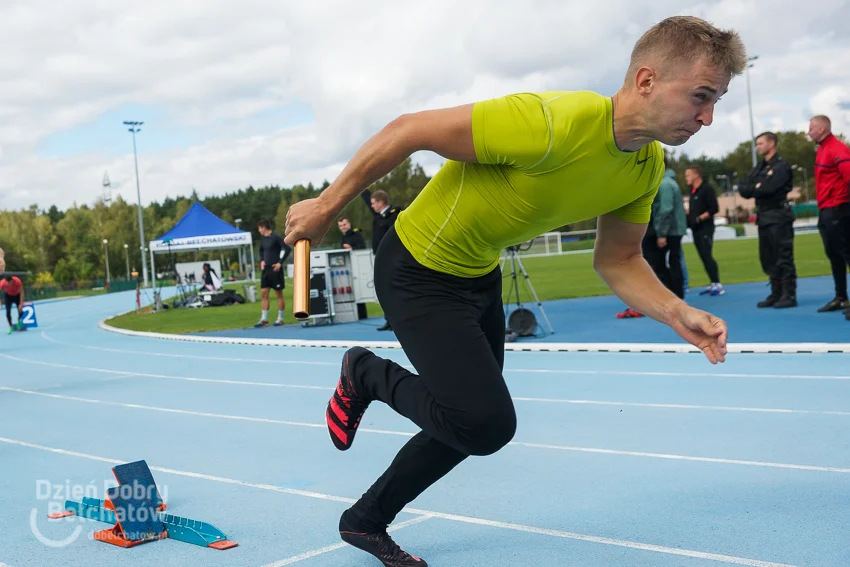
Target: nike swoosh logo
[{"x": 644, "y": 160}]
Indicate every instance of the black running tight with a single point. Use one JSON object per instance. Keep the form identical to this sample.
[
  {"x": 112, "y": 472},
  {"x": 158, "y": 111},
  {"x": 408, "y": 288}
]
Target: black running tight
[{"x": 452, "y": 330}]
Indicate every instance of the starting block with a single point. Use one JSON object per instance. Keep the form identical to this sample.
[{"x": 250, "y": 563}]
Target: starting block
[{"x": 135, "y": 510}]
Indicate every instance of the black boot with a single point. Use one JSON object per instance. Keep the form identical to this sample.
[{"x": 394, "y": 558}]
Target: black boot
[
  {"x": 775, "y": 293},
  {"x": 789, "y": 294}
]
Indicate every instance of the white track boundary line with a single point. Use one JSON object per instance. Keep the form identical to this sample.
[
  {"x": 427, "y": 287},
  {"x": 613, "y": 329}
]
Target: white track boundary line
[
  {"x": 328, "y": 549},
  {"x": 452, "y": 517},
  {"x": 672, "y": 348},
  {"x": 322, "y": 426},
  {"x": 506, "y": 370},
  {"x": 120, "y": 374}
]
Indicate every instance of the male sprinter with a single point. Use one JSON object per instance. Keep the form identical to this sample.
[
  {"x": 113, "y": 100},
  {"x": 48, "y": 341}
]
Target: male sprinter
[
  {"x": 517, "y": 166},
  {"x": 14, "y": 289}
]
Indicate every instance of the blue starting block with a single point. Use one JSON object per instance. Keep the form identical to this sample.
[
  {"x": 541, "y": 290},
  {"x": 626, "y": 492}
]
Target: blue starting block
[{"x": 134, "y": 508}]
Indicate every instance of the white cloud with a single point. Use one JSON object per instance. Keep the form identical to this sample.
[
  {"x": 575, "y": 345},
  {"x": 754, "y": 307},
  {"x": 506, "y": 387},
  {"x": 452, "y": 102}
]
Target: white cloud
[{"x": 210, "y": 68}]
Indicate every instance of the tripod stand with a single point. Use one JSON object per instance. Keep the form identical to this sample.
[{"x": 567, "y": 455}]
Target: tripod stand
[{"x": 522, "y": 321}]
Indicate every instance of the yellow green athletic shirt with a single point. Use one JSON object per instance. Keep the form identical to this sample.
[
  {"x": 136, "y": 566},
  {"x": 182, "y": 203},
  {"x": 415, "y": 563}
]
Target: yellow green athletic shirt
[{"x": 544, "y": 160}]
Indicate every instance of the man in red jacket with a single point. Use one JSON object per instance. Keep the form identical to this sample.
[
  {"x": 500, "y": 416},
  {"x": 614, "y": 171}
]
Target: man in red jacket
[
  {"x": 832, "y": 182},
  {"x": 14, "y": 289}
]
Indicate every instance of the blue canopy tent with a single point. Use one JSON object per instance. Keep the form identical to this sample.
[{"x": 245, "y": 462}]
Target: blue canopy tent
[{"x": 199, "y": 229}]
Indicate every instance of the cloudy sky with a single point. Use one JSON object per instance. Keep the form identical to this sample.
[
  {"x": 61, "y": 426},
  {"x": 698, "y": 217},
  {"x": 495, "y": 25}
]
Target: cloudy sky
[{"x": 251, "y": 92}]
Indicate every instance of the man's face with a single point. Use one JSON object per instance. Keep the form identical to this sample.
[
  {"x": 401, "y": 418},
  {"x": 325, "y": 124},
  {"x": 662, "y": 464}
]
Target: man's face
[
  {"x": 691, "y": 177},
  {"x": 344, "y": 225},
  {"x": 763, "y": 146},
  {"x": 264, "y": 231},
  {"x": 817, "y": 131},
  {"x": 378, "y": 206},
  {"x": 682, "y": 100}
]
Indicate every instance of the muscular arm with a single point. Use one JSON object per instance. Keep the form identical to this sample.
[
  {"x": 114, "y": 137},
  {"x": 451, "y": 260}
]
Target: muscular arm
[
  {"x": 2, "y": 261},
  {"x": 447, "y": 132},
  {"x": 619, "y": 262}
]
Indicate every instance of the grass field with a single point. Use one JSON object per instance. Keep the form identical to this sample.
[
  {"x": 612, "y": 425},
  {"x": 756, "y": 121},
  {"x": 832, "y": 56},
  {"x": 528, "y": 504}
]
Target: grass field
[{"x": 553, "y": 277}]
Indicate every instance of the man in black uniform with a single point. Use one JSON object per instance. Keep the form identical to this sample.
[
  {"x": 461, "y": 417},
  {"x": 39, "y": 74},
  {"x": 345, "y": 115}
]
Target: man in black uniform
[
  {"x": 770, "y": 182},
  {"x": 702, "y": 206},
  {"x": 383, "y": 215},
  {"x": 352, "y": 238},
  {"x": 273, "y": 253},
  {"x": 383, "y": 218}
]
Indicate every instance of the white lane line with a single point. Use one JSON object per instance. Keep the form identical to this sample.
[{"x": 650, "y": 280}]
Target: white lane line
[
  {"x": 452, "y": 517},
  {"x": 507, "y": 370},
  {"x": 189, "y": 356},
  {"x": 127, "y": 374},
  {"x": 680, "y": 406},
  {"x": 684, "y": 374},
  {"x": 406, "y": 434},
  {"x": 328, "y": 549}
]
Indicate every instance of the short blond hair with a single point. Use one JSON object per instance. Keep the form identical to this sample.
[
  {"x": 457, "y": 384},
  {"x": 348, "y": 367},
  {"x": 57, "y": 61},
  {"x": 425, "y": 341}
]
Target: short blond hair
[{"x": 688, "y": 39}]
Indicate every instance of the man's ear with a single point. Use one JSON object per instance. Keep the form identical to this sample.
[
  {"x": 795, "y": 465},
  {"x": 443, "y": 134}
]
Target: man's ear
[{"x": 645, "y": 80}]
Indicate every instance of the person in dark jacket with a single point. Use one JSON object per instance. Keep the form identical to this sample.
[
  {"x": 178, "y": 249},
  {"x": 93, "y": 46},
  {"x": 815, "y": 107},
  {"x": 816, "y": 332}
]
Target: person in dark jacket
[
  {"x": 702, "y": 206},
  {"x": 769, "y": 183},
  {"x": 383, "y": 215},
  {"x": 383, "y": 218},
  {"x": 352, "y": 238}
]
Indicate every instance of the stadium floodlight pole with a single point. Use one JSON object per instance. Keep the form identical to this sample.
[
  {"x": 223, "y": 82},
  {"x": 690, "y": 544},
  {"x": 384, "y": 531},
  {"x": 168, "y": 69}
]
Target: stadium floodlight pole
[
  {"x": 133, "y": 128},
  {"x": 750, "y": 104}
]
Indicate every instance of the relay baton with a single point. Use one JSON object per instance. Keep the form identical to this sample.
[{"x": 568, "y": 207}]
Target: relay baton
[{"x": 301, "y": 283}]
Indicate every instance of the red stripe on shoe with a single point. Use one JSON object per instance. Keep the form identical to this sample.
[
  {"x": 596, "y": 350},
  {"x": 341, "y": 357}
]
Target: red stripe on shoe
[
  {"x": 339, "y": 412},
  {"x": 335, "y": 429}
]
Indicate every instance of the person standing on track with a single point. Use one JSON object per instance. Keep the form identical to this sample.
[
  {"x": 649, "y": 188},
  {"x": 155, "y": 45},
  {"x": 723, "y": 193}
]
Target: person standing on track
[
  {"x": 13, "y": 290},
  {"x": 517, "y": 166},
  {"x": 769, "y": 183},
  {"x": 273, "y": 254},
  {"x": 832, "y": 190},
  {"x": 702, "y": 206}
]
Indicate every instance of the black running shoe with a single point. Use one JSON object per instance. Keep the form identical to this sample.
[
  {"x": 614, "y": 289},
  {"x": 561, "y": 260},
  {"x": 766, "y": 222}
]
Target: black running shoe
[
  {"x": 346, "y": 407},
  {"x": 379, "y": 544}
]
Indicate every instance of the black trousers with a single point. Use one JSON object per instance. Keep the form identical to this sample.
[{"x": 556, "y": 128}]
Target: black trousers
[
  {"x": 834, "y": 227},
  {"x": 666, "y": 262},
  {"x": 704, "y": 242},
  {"x": 776, "y": 244},
  {"x": 452, "y": 330},
  {"x": 9, "y": 301}
]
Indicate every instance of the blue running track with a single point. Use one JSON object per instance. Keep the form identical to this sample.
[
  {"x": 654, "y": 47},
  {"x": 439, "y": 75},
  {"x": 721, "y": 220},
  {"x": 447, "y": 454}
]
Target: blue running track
[{"x": 620, "y": 459}]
